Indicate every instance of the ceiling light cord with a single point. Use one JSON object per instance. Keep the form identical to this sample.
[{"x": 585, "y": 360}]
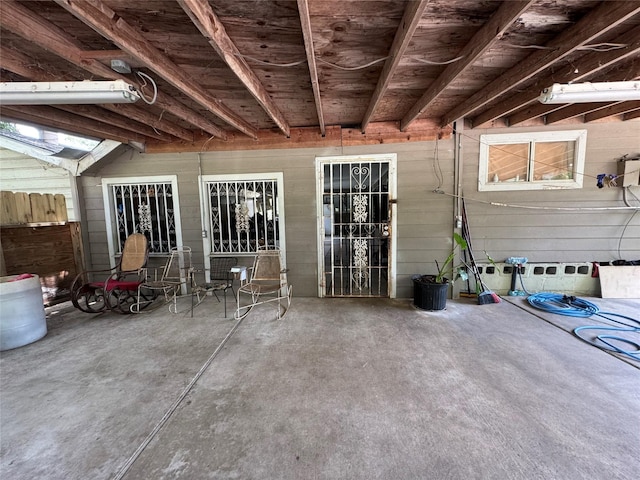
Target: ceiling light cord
[
  {"x": 431, "y": 62},
  {"x": 263, "y": 62},
  {"x": 361, "y": 67},
  {"x": 144, "y": 78},
  {"x": 340, "y": 67}
]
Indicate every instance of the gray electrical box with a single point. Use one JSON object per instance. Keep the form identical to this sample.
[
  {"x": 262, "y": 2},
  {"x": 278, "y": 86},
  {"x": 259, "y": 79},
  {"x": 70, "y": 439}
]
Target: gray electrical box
[{"x": 630, "y": 168}]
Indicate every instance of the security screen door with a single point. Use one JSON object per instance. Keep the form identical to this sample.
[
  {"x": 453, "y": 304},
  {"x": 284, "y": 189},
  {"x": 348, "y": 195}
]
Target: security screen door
[{"x": 356, "y": 231}]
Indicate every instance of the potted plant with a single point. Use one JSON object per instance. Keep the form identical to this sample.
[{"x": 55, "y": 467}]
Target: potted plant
[{"x": 430, "y": 291}]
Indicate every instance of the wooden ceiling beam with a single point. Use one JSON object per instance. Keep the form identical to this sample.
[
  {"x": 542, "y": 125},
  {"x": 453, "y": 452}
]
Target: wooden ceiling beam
[
  {"x": 529, "y": 112},
  {"x": 492, "y": 31},
  {"x": 103, "y": 115},
  {"x": 535, "y": 110},
  {"x": 598, "y": 21},
  {"x": 140, "y": 114},
  {"x": 631, "y": 115},
  {"x": 31, "y": 26},
  {"x": 52, "y": 117},
  {"x": 586, "y": 66},
  {"x": 410, "y": 20},
  {"x": 572, "y": 111},
  {"x": 107, "y": 23},
  {"x": 305, "y": 23},
  {"x": 20, "y": 64},
  {"x": 25, "y": 66},
  {"x": 210, "y": 26},
  {"x": 619, "y": 108}
]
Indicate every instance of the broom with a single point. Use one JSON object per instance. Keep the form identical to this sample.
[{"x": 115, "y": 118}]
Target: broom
[{"x": 486, "y": 296}]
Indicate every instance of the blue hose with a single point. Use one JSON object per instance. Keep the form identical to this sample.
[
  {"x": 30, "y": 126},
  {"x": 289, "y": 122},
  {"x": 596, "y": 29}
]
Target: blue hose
[{"x": 576, "y": 307}]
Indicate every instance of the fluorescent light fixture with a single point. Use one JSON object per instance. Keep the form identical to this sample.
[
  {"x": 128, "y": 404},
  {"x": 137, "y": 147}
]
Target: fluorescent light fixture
[
  {"x": 52, "y": 93},
  {"x": 591, "y": 92}
]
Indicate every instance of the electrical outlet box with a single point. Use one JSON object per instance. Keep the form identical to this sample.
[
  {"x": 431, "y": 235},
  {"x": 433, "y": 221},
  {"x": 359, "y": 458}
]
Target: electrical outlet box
[
  {"x": 120, "y": 66},
  {"x": 630, "y": 168}
]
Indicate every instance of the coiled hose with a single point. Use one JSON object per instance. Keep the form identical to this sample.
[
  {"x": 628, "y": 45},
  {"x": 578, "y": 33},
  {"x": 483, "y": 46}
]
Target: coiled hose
[{"x": 576, "y": 307}]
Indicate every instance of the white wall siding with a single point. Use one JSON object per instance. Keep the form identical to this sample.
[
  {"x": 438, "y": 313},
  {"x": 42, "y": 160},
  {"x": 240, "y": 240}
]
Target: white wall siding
[{"x": 22, "y": 173}]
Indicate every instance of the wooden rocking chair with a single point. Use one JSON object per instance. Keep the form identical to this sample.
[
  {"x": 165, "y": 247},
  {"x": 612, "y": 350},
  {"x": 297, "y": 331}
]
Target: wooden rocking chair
[{"x": 119, "y": 291}]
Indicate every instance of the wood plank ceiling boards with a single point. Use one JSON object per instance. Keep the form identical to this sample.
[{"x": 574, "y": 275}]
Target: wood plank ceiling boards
[{"x": 282, "y": 73}]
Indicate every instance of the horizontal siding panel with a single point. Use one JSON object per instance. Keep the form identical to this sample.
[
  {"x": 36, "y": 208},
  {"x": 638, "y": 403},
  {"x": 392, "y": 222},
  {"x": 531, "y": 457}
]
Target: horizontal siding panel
[
  {"x": 554, "y": 235},
  {"x": 425, "y": 219},
  {"x": 555, "y": 232},
  {"x": 505, "y": 217},
  {"x": 21, "y": 173}
]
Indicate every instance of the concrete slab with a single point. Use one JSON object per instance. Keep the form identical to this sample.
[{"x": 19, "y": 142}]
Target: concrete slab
[
  {"x": 340, "y": 388},
  {"x": 611, "y": 313},
  {"x": 75, "y": 404}
]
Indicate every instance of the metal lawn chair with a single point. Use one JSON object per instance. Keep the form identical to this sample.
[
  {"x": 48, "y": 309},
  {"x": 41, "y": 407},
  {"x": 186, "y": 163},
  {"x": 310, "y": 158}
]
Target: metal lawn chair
[
  {"x": 119, "y": 290},
  {"x": 167, "y": 282},
  {"x": 221, "y": 280},
  {"x": 268, "y": 283}
]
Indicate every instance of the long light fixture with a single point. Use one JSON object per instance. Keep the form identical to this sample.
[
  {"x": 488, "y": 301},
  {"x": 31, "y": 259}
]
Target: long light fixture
[
  {"x": 56, "y": 93},
  {"x": 591, "y": 92}
]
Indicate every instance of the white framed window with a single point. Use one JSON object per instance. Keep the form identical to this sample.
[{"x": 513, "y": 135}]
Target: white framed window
[
  {"x": 242, "y": 212},
  {"x": 532, "y": 161},
  {"x": 147, "y": 205}
]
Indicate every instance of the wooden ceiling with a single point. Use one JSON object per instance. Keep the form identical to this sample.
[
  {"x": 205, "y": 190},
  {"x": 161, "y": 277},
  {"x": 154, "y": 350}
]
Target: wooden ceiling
[{"x": 247, "y": 70}]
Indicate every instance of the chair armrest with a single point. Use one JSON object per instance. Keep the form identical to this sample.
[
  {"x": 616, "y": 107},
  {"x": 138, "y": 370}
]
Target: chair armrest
[{"x": 151, "y": 273}]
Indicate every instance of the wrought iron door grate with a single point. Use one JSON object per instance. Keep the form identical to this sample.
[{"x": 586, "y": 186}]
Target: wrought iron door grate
[{"x": 356, "y": 229}]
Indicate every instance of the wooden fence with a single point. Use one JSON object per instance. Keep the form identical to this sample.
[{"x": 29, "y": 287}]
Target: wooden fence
[
  {"x": 19, "y": 208},
  {"x": 36, "y": 238}
]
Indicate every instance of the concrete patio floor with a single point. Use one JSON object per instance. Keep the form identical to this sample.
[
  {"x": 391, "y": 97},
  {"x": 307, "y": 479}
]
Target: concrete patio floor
[{"x": 338, "y": 389}]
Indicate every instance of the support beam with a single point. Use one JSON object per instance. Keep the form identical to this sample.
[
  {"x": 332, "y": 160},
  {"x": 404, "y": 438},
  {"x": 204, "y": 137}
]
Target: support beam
[
  {"x": 24, "y": 22},
  {"x": 210, "y": 26},
  {"x": 38, "y": 153},
  {"x": 631, "y": 115},
  {"x": 103, "y": 115},
  {"x": 624, "y": 72},
  {"x": 305, "y": 23},
  {"x": 66, "y": 118},
  {"x": 572, "y": 111},
  {"x": 529, "y": 112},
  {"x": 619, "y": 108},
  {"x": 598, "y": 21},
  {"x": 586, "y": 66},
  {"x": 107, "y": 23},
  {"x": 309, "y": 137},
  {"x": 16, "y": 62},
  {"x": 50, "y": 117},
  {"x": 140, "y": 114},
  {"x": 103, "y": 149},
  {"x": 410, "y": 20},
  {"x": 491, "y": 32}
]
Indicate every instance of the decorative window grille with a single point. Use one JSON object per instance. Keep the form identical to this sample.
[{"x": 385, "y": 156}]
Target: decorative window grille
[
  {"x": 244, "y": 215},
  {"x": 146, "y": 208}
]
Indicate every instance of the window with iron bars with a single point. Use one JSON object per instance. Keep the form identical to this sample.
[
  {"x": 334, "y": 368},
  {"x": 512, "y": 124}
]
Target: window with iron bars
[
  {"x": 146, "y": 208},
  {"x": 244, "y": 215}
]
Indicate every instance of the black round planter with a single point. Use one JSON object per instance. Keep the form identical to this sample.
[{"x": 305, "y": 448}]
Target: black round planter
[{"x": 428, "y": 295}]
